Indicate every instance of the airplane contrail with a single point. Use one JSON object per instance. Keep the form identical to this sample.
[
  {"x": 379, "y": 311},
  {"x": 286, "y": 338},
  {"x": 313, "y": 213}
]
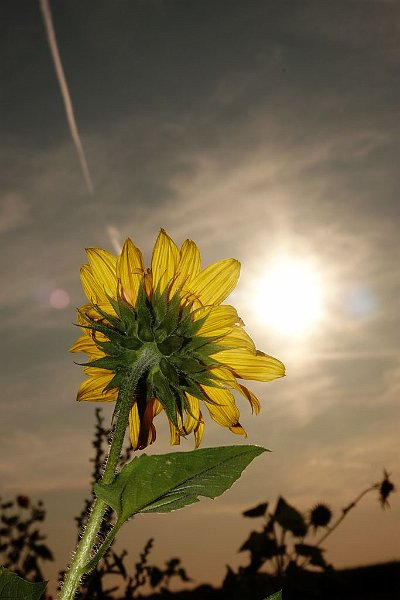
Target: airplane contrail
[{"x": 69, "y": 110}]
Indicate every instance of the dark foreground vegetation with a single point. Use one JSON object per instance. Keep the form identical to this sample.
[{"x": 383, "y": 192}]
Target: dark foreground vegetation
[{"x": 284, "y": 552}]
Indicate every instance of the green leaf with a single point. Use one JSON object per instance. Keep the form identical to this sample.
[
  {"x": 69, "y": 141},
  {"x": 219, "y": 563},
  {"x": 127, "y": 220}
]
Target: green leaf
[
  {"x": 166, "y": 482},
  {"x": 13, "y": 587},
  {"x": 276, "y": 596}
]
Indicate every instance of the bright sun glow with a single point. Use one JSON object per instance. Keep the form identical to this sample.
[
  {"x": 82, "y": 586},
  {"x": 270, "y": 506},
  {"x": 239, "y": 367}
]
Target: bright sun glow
[{"x": 289, "y": 297}]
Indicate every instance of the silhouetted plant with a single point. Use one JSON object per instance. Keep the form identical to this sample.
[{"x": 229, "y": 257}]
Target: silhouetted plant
[
  {"x": 284, "y": 548},
  {"x": 21, "y": 542}
]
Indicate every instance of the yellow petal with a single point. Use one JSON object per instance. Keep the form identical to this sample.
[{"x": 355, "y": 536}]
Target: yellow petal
[
  {"x": 130, "y": 271},
  {"x": 238, "y": 338},
  {"x": 103, "y": 265},
  {"x": 148, "y": 283},
  {"x": 247, "y": 366},
  {"x": 91, "y": 312},
  {"x": 97, "y": 372},
  {"x": 192, "y": 418},
  {"x": 92, "y": 288},
  {"x": 142, "y": 432},
  {"x": 222, "y": 407},
  {"x": 92, "y": 389},
  {"x": 134, "y": 426},
  {"x": 157, "y": 407},
  {"x": 229, "y": 379},
  {"x": 198, "y": 432},
  {"x": 164, "y": 261},
  {"x": 86, "y": 344},
  {"x": 175, "y": 438},
  {"x": 218, "y": 318},
  {"x": 252, "y": 398},
  {"x": 238, "y": 429},
  {"x": 188, "y": 266},
  {"x": 215, "y": 282}
]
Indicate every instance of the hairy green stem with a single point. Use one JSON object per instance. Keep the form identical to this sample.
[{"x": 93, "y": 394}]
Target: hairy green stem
[
  {"x": 81, "y": 562},
  {"x": 104, "y": 547}
]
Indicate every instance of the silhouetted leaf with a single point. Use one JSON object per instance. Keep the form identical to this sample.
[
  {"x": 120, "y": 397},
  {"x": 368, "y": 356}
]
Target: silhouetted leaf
[
  {"x": 43, "y": 551},
  {"x": 182, "y": 574},
  {"x": 289, "y": 518},
  {"x": 312, "y": 552},
  {"x": 162, "y": 483},
  {"x": 13, "y": 587},
  {"x": 260, "y": 545},
  {"x": 119, "y": 563},
  {"x": 257, "y": 511}
]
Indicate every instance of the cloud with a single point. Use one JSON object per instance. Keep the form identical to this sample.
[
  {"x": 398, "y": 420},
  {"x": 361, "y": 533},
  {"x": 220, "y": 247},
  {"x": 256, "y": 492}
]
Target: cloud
[{"x": 14, "y": 212}]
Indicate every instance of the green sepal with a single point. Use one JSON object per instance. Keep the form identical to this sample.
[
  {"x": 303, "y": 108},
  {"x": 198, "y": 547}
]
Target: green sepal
[
  {"x": 113, "y": 335},
  {"x": 193, "y": 389},
  {"x": 160, "y": 303},
  {"x": 169, "y": 371},
  {"x": 116, "y": 382},
  {"x": 114, "y": 321},
  {"x": 114, "y": 303},
  {"x": 143, "y": 307},
  {"x": 208, "y": 350},
  {"x": 164, "y": 394},
  {"x": 162, "y": 483},
  {"x": 13, "y": 587},
  {"x": 187, "y": 327},
  {"x": 169, "y": 345},
  {"x": 186, "y": 364},
  {"x": 112, "y": 363},
  {"x": 109, "y": 348},
  {"x": 185, "y": 403},
  {"x": 199, "y": 341},
  {"x": 132, "y": 343},
  {"x": 128, "y": 317},
  {"x": 145, "y": 331},
  {"x": 203, "y": 378},
  {"x": 168, "y": 323}
]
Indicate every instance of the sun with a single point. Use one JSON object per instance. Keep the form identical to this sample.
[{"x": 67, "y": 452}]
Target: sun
[{"x": 288, "y": 297}]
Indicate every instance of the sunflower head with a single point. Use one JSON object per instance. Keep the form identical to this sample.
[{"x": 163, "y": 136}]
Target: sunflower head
[
  {"x": 320, "y": 516},
  {"x": 172, "y": 313}
]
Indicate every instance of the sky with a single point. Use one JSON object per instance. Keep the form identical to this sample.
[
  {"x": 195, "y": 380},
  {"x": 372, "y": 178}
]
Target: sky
[{"x": 268, "y": 133}]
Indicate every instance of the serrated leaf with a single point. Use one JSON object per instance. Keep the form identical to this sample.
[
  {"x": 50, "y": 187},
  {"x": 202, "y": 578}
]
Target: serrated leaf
[
  {"x": 13, "y": 587},
  {"x": 162, "y": 483},
  {"x": 276, "y": 596}
]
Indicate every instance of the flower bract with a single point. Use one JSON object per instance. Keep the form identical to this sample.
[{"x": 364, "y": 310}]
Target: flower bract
[{"x": 173, "y": 310}]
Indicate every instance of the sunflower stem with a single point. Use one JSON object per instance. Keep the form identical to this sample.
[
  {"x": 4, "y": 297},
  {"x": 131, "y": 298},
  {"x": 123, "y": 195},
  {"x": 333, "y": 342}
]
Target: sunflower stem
[
  {"x": 100, "y": 552},
  {"x": 82, "y": 563}
]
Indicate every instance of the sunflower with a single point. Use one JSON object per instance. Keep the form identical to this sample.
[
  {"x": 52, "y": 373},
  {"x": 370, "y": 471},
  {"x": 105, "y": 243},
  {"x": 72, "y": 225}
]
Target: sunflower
[{"x": 172, "y": 311}]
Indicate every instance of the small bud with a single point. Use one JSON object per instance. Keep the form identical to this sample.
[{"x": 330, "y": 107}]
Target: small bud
[
  {"x": 23, "y": 501},
  {"x": 386, "y": 487}
]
